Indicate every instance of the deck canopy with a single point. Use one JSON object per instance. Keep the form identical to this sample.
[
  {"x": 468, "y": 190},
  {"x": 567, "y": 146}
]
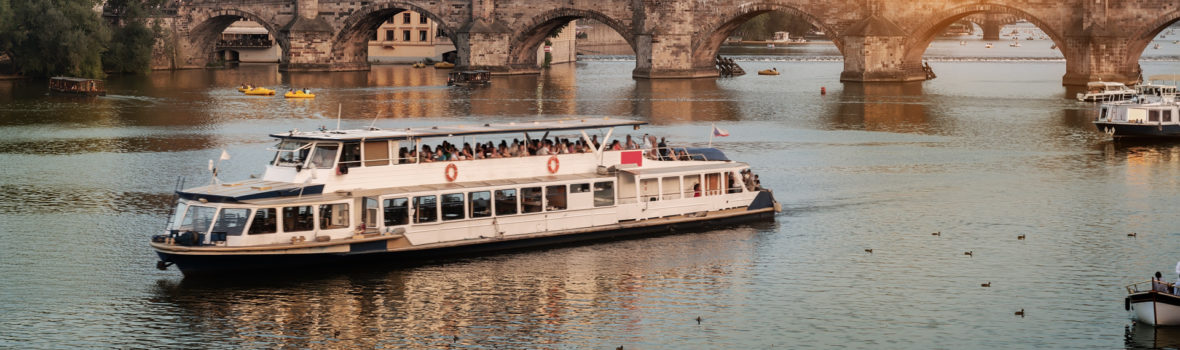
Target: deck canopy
[{"x": 377, "y": 134}]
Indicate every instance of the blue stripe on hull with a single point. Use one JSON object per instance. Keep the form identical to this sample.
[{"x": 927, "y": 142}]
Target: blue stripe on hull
[
  {"x": 1141, "y": 130},
  {"x": 209, "y": 264}
]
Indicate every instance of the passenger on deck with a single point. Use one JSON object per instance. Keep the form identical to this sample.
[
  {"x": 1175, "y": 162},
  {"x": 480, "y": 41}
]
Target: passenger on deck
[
  {"x": 1158, "y": 284},
  {"x": 630, "y": 144},
  {"x": 696, "y": 190},
  {"x": 663, "y": 149}
]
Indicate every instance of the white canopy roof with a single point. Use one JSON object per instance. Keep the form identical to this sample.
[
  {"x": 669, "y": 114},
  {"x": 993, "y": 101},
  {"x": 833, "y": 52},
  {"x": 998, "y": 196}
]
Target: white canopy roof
[{"x": 374, "y": 134}]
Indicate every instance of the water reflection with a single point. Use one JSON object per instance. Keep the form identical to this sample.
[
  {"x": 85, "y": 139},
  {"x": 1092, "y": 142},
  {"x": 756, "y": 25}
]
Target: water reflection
[
  {"x": 1139, "y": 336},
  {"x": 671, "y": 101},
  {"x": 882, "y": 107}
]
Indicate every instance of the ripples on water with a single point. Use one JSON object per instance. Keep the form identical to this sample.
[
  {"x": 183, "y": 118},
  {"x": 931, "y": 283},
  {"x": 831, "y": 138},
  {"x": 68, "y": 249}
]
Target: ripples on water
[{"x": 988, "y": 151}]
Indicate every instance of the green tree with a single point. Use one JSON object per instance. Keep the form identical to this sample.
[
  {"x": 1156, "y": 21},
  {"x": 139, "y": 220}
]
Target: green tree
[
  {"x": 48, "y": 37},
  {"x": 132, "y": 37}
]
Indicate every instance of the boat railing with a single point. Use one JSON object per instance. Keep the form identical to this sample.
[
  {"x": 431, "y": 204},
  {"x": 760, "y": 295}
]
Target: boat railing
[{"x": 1147, "y": 286}]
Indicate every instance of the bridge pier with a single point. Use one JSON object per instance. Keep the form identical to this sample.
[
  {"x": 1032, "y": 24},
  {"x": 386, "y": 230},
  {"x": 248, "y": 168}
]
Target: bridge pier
[
  {"x": 1099, "y": 58},
  {"x": 669, "y": 56},
  {"x": 991, "y": 29},
  {"x": 875, "y": 50}
]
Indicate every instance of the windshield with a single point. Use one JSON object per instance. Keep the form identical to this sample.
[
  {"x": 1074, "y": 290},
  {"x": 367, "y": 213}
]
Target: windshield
[
  {"x": 197, "y": 218},
  {"x": 291, "y": 153}
]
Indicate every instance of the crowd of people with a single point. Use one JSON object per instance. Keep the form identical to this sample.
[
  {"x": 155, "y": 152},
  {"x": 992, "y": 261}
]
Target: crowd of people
[{"x": 447, "y": 151}]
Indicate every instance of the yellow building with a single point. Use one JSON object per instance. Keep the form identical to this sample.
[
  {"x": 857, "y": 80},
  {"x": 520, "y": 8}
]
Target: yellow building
[{"x": 410, "y": 37}]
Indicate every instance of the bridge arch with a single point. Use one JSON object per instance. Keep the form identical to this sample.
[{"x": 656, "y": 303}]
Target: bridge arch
[
  {"x": 203, "y": 36},
  {"x": 1146, "y": 34},
  {"x": 351, "y": 42},
  {"x": 523, "y": 45},
  {"x": 706, "y": 46},
  {"x": 926, "y": 33}
]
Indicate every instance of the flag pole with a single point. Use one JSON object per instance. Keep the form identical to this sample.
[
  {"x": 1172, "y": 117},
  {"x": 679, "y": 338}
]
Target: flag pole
[{"x": 712, "y": 127}]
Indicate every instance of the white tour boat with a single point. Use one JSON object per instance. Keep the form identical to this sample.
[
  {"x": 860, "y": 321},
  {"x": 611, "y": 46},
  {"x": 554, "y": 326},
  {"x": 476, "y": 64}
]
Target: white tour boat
[
  {"x": 1153, "y": 303},
  {"x": 1157, "y": 85},
  {"x": 1102, "y": 91},
  {"x": 1150, "y": 117},
  {"x": 373, "y": 195}
]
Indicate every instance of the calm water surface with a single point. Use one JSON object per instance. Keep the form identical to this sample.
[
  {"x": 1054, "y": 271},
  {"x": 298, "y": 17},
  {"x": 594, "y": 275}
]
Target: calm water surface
[{"x": 986, "y": 152}]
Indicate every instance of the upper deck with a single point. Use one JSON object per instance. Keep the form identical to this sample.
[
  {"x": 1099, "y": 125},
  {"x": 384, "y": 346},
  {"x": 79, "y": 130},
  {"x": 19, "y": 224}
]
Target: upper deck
[{"x": 379, "y": 134}]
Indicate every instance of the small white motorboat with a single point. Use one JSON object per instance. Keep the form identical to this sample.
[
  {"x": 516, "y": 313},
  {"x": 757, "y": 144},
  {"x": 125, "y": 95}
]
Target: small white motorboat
[{"x": 1153, "y": 303}]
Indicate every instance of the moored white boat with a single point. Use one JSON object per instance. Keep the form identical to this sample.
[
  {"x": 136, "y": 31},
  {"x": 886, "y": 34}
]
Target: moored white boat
[
  {"x": 1103, "y": 91},
  {"x": 1149, "y": 117},
  {"x": 1153, "y": 303},
  {"x": 373, "y": 194}
]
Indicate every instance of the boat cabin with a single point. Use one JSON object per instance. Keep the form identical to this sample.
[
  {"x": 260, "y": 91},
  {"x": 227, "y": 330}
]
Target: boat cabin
[
  {"x": 80, "y": 86},
  {"x": 1156, "y": 85},
  {"x": 1139, "y": 114},
  {"x": 469, "y": 78}
]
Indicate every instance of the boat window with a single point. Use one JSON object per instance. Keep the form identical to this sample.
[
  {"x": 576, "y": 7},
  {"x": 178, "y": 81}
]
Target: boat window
[
  {"x": 671, "y": 186},
  {"x": 197, "y": 219},
  {"x": 397, "y": 211},
  {"x": 712, "y": 184},
  {"x": 333, "y": 216},
  {"x": 265, "y": 221},
  {"x": 481, "y": 204},
  {"x": 297, "y": 219},
  {"x": 174, "y": 221},
  {"x": 692, "y": 186},
  {"x": 291, "y": 153},
  {"x": 369, "y": 213},
  {"x": 232, "y": 221},
  {"x": 604, "y": 194},
  {"x": 1167, "y": 115},
  {"x": 1102, "y": 113},
  {"x": 452, "y": 206},
  {"x": 376, "y": 153},
  {"x": 425, "y": 209},
  {"x": 350, "y": 155},
  {"x": 324, "y": 156},
  {"x": 1153, "y": 115},
  {"x": 649, "y": 190},
  {"x": 505, "y": 202},
  {"x": 555, "y": 198},
  {"x": 579, "y": 188},
  {"x": 530, "y": 200}
]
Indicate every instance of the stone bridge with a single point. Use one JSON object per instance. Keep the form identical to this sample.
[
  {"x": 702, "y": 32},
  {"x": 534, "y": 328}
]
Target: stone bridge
[{"x": 881, "y": 40}]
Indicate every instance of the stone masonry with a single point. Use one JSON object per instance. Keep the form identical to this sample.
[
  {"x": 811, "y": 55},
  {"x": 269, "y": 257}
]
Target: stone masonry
[{"x": 881, "y": 40}]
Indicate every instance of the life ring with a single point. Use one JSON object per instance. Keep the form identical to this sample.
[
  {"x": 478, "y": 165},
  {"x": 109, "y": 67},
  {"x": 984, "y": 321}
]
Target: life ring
[
  {"x": 554, "y": 164},
  {"x": 451, "y": 172}
]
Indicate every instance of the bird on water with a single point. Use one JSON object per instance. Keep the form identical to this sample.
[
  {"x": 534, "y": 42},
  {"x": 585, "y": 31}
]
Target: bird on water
[
  {"x": 985, "y": 285},
  {"x": 1020, "y": 313},
  {"x": 970, "y": 253},
  {"x": 870, "y": 250}
]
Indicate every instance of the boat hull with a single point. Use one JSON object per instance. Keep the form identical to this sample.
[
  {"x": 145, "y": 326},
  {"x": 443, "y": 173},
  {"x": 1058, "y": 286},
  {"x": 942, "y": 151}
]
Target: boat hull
[
  {"x": 1140, "y": 130},
  {"x": 1154, "y": 308},
  {"x": 207, "y": 264}
]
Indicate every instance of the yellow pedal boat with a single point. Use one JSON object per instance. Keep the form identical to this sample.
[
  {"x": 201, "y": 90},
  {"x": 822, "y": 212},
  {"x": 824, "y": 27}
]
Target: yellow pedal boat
[
  {"x": 298, "y": 94},
  {"x": 260, "y": 91},
  {"x": 419, "y": 65},
  {"x": 768, "y": 72},
  {"x": 444, "y": 65}
]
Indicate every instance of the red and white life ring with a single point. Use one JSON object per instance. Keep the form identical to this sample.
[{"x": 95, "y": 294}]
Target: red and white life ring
[
  {"x": 451, "y": 172},
  {"x": 554, "y": 164}
]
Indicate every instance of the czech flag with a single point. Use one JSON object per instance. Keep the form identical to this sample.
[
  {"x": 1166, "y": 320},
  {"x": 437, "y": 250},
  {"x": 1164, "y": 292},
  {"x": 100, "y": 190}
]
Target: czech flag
[{"x": 719, "y": 132}]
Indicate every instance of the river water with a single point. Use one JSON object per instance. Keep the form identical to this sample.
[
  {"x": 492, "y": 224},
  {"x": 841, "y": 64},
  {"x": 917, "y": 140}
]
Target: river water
[{"x": 990, "y": 150}]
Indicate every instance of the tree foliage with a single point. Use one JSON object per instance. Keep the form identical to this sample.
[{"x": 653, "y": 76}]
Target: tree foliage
[
  {"x": 762, "y": 27},
  {"x": 70, "y": 37}
]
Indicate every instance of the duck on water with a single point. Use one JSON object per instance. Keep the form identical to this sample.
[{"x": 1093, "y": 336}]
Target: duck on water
[{"x": 373, "y": 194}]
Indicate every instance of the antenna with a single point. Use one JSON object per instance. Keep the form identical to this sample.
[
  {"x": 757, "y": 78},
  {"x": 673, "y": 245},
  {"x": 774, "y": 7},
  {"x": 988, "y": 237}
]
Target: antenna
[
  {"x": 375, "y": 120},
  {"x": 339, "y": 109}
]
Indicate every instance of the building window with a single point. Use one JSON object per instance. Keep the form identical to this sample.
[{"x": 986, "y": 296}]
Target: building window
[
  {"x": 422, "y": 19},
  {"x": 406, "y": 18},
  {"x": 421, "y": 35},
  {"x": 406, "y": 35},
  {"x": 389, "y": 35}
]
